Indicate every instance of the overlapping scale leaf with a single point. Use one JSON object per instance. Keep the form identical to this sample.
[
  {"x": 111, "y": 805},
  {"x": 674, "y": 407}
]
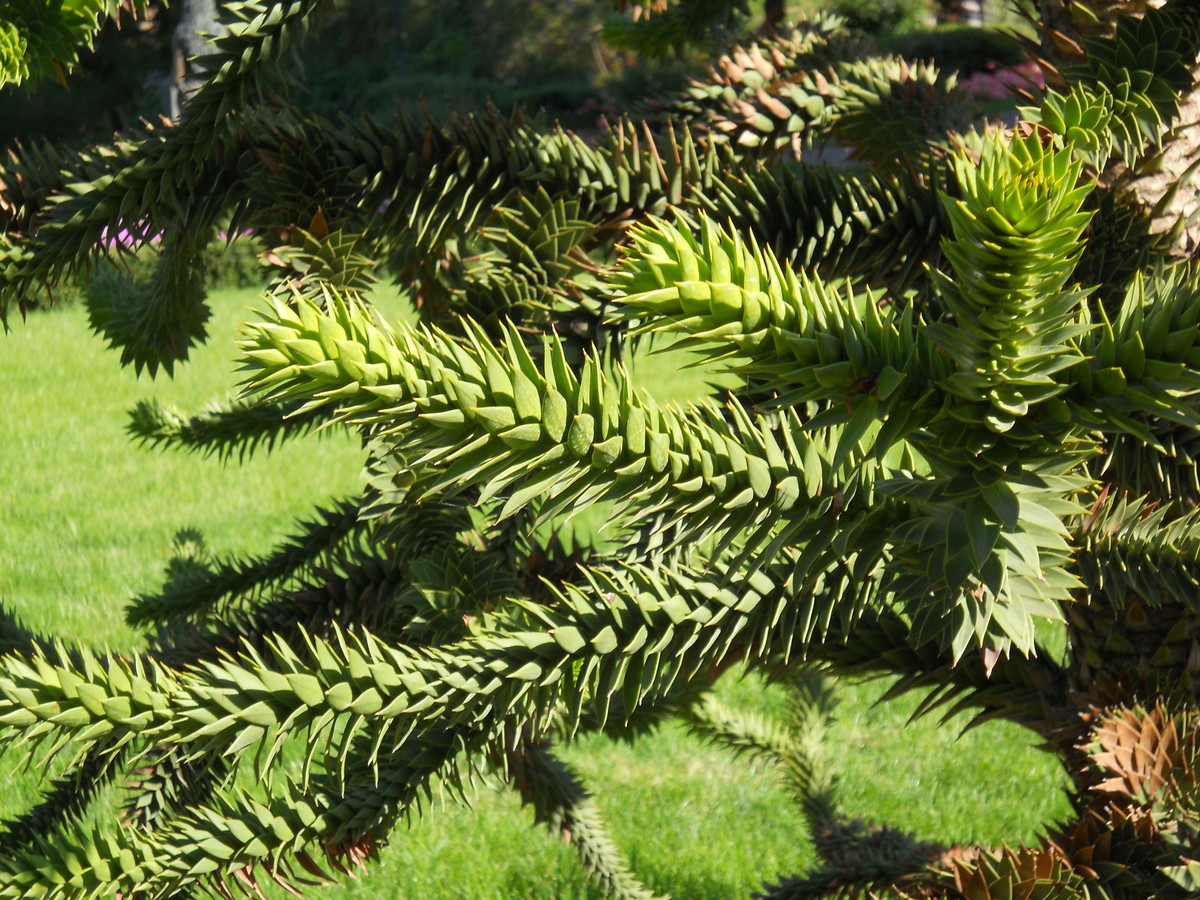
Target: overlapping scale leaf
[
  {"x": 1125, "y": 91},
  {"x": 1017, "y": 237},
  {"x": 328, "y": 827},
  {"x": 861, "y": 224},
  {"x": 476, "y": 414},
  {"x": 82, "y": 701},
  {"x": 624, "y": 630},
  {"x": 1140, "y": 375},
  {"x": 797, "y": 335},
  {"x": 884, "y": 109},
  {"x": 1030, "y": 873}
]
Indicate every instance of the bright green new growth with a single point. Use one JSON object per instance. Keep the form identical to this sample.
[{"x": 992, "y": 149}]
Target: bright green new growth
[{"x": 959, "y": 417}]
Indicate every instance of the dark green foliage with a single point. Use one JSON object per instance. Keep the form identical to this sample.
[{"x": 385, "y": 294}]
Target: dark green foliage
[
  {"x": 454, "y": 56},
  {"x": 673, "y": 25},
  {"x": 882, "y": 17},
  {"x": 874, "y": 226},
  {"x": 196, "y": 583},
  {"x": 111, "y": 88},
  {"x": 157, "y": 321},
  {"x": 40, "y": 40},
  {"x": 957, "y": 48}
]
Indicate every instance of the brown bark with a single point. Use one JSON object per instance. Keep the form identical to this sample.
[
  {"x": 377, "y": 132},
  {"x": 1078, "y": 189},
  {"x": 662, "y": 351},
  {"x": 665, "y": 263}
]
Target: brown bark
[
  {"x": 1168, "y": 186},
  {"x": 199, "y": 21}
]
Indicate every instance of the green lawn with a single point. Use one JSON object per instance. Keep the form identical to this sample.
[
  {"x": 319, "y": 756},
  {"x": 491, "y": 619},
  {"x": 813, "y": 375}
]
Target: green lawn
[{"x": 88, "y": 520}]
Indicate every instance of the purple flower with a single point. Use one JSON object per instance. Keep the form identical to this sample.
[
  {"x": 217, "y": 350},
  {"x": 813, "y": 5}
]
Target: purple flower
[
  {"x": 1002, "y": 83},
  {"x": 128, "y": 237}
]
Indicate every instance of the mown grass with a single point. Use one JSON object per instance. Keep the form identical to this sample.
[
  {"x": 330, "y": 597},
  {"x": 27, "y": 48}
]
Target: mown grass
[{"x": 87, "y": 521}]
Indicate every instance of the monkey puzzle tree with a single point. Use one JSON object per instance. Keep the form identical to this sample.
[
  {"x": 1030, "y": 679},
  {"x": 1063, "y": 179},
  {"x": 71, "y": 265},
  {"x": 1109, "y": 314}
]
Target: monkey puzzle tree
[{"x": 967, "y": 409}]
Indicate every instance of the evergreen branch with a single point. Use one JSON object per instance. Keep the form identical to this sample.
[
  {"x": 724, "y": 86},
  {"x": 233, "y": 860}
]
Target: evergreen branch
[
  {"x": 884, "y": 109},
  {"x": 341, "y": 260},
  {"x": 364, "y": 594},
  {"x": 1152, "y": 534},
  {"x": 229, "y": 840},
  {"x": 487, "y": 416},
  {"x": 37, "y": 171},
  {"x": 185, "y": 175},
  {"x": 158, "y": 323},
  {"x": 423, "y": 182},
  {"x": 225, "y": 430},
  {"x": 1012, "y": 253},
  {"x": 540, "y": 267},
  {"x": 258, "y": 36},
  {"x": 894, "y": 112},
  {"x": 623, "y": 628},
  {"x": 881, "y": 229},
  {"x": 1001, "y": 872},
  {"x": 344, "y": 817},
  {"x": 1140, "y": 373},
  {"x": 621, "y": 632},
  {"x": 105, "y": 701},
  {"x": 745, "y": 76},
  {"x": 560, "y": 802},
  {"x": 1165, "y": 473},
  {"x": 200, "y": 588},
  {"x": 143, "y": 192},
  {"x": 409, "y": 181},
  {"x": 1126, "y": 92},
  {"x": 1139, "y": 557},
  {"x": 805, "y": 339}
]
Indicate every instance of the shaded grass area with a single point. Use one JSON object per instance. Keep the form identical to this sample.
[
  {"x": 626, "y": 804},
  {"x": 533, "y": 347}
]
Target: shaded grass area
[{"x": 86, "y": 522}]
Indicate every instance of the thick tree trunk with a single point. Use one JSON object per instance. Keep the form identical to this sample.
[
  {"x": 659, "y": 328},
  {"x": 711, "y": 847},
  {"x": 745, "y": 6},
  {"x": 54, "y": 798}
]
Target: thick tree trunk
[
  {"x": 1170, "y": 188},
  {"x": 1165, "y": 186},
  {"x": 198, "y": 23}
]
